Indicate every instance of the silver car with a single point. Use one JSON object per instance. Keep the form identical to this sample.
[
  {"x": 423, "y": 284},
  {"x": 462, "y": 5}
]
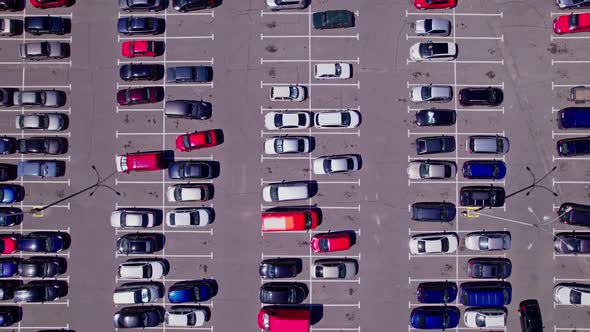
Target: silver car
[
  {"x": 43, "y": 121},
  {"x": 570, "y": 4},
  {"x": 433, "y": 170},
  {"x": 433, "y": 26},
  {"x": 138, "y": 293},
  {"x": 487, "y": 144},
  {"x": 285, "y": 4},
  {"x": 45, "y": 50},
  {"x": 488, "y": 241},
  {"x": 337, "y": 268},
  {"x": 431, "y": 93}
]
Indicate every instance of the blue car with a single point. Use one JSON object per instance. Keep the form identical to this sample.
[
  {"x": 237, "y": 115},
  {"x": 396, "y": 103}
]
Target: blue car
[
  {"x": 574, "y": 118},
  {"x": 435, "y": 318},
  {"x": 43, "y": 242},
  {"x": 7, "y": 145},
  {"x": 10, "y": 193},
  {"x": 10, "y": 216},
  {"x": 437, "y": 292},
  {"x": 8, "y": 267},
  {"x": 484, "y": 169},
  {"x": 486, "y": 294},
  {"x": 190, "y": 291}
]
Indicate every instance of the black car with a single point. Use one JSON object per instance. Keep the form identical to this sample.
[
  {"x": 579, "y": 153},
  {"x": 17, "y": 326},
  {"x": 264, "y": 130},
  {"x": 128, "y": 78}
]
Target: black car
[
  {"x": 142, "y": 5},
  {"x": 10, "y": 216},
  {"x": 44, "y": 145},
  {"x": 482, "y": 196},
  {"x": 41, "y": 291},
  {"x": 530, "y": 316},
  {"x": 188, "y": 109},
  {"x": 6, "y": 96},
  {"x": 140, "y": 243},
  {"x": 489, "y": 268},
  {"x": 433, "y": 211},
  {"x": 571, "y": 147},
  {"x": 10, "y": 5},
  {"x": 481, "y": 96},
  {"x": 139, "y": 317},
  {"x": 572, "y": 243},
  {"x": 280, "y": 267},
  {"x": 188, "y": 74},
  {"x": 7, "y": 172},
  {"x": 42, "y": 267},
  {"x": 9, "y": 315},
  {"x": 435, "y": 144},
  {"x": 436, "y": 117},
  {"x": 7, "y": 145},
  {"x": 283, "y": 293},
  {"x": 574, "y": 214},
  {"x": 188, "y": 5},
  {"x": 141, "y": 72},
  {"x": 43, "y": 241},
  {"x": 52, "y": 25},
  {"x": 8, "y": 288},
  {"x": 190, "y": 170},
  {"x": 139, "y": 25}
]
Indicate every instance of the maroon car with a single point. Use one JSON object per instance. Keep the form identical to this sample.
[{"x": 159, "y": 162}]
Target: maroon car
[{"x": 134, "y": 96}]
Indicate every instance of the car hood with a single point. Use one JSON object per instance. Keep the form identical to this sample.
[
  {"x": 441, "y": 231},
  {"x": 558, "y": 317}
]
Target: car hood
[{"x": 415, "y": 52}]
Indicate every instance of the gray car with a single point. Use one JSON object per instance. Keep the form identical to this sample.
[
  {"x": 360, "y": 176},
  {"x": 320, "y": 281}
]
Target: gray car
[
  {"x": 570, "y": 4},
  {"x": 190, "y": 169},
  {"x": 487, "y": 144},
  {"x": 41, "y": 168},
  {"x": 335, "y": 268},
  {"x": 189, "y": 74},
  {"x": 141, "y": 5},
  {"x": 45, "y": 50},
  {"x": 433, "y": 26},
  {"x": 39, "y": 98},
  {"x": 431, "y": 93},
  {"x": 42, "y": 121},
  {"x": 138, "y": 293},
  {"x": 487, "y": 241},
  {"x": 188, "y": 109},
  {"x": 285, "y": 4}
]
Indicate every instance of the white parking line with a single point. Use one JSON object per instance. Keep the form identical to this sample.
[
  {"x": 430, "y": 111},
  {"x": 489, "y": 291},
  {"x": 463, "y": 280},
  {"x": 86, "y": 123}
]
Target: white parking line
[
  {"x": 263, "y": 61},
  {"x": 167, "y": 85},
  {"x": 573, "y": 329},
  {"x": 118, "y": 182},
  {"x": 475, "y": 254},
  {"x": 211, "y": 37},
  {"x": 204, "y": 13},
  {"x": 569, "y": 37},
  {"x": 166, "y": 255},
  {"x": 8, "y": 230},
  {"x": 315, "y": 280},
  {"x": 183, "y": 231},
  {"x": 262, "y": 158},
  {"x": 48, "y": 63},
  {"x": 337, "y": 329},
  {"x": 32, "y": 110},
  {"x": 410, "y": 158},
  {"x": 65, "y": 327},
  {"x": 357, "y": 232},
  {"x": 310, "y": 132},
  {"x": 408, "y": 84},
  {"x": 68, "y": 87},
  {"x": 118, "y": 110},
  {"x": 36, "y": 158},
  {"x": 553, "y": 62},
  {"x": 41, "y": 181},
  {"x": 161, "y": 207},
  {"x": 64, "y": 206},
  {"x": 270, "y": 109},
  {"x": 452, "y": 134},
  {"x": 411, "y": 280},
  {"x": 553, "y": 134},
  {"x": 62, "y": 39},
  {"x": 263, "y": 256},
  {"x": 501, "y": 38},
  {"x": 68, "y": 134},
  {"x": 453, "y": 13},
  {"x": 410, "y": 231},
  {"x": 553, "y": 85},
  {"x": 117, "y": 134},
  {"x": 357, "y": 84},
  {"x": 322, "y": 207},
  {"x": 357, "y": 305},
  {"x": 120, "y": 62},
  {"x": 357, "y": 182},
  {"x": 447, "y": 181},
  {"x": 569, "y": 182},
  {"x": 477, "y": 110},
  {"x": 556, "y": 280},
  {"x": 554, "y": 158},
  {"x": 164, "y": 328},
  {"x": 262, "y": 36},
  {"x": 482, "y": 62}
]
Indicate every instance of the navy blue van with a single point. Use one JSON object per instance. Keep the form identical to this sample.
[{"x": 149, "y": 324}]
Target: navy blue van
[
  {"x": 574, "y": 117},
  {"x": 486, "y": 294},
  {"x": 484, "y": 169},
  {"x": 437, "y": 292}
]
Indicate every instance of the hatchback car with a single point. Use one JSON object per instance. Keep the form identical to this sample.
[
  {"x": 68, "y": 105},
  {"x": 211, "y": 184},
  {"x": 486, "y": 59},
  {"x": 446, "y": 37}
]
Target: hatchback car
[
  {"x": 337, "y": 119},
  {"x": 433, "y": 26},
  {"x": 41, "y": 291},
  {"x": 10, "y": 216},
  {"x": 188, "y": 109},
  {"x": 189, "y": 217},
  {"x": 134, "y": 218},
  {"x": 437, "y": 292},
  {"x": 287, "y": 120},
  {"x": 485, "y": 317},
  {"x": 335, "y": 268},
  {"x": 283, "y": 293},
  {"x": 142, "y": 268},
  {"x": 187, "y": 316},
  {"x": 482, "y": 196},
  {"x": 141, "y": 72},
  {"x": 484, "y": 169},
  {"x": 280, "y": 267},
  {"x": 434, "y": 243},
  {"x": 571, "y": 23},
  {"x": 336, "y": 164},
  {"x": 44, "y": 4},
  {"x": 138, "y": 293},
  {"x": 138, "y": 96},
  {"x": 435, "y": 144},
  {"x": 572, "y": 294},
  {"x": 574, "y": 214},
  {"x": 191, "y": 291},
  {"x": 197, "y": 140},
  {"x": 53, "y": 25},
  {"x": 278, "y": 192},
  {"x": 431, "y": 93},
  {"x": 481, "y": 96},
  {"x": 487, "y": 144},
  {"x": 188, "y": 193},
  {"x": 285, "y": 4},
  {"x": 433, "y": 211},
  {"x": 189, "y": 74},
  {"x": 139, "y": 243},
  {"x": 328, "y": 242},
  {"x": 331, "y": 71},
  {"x": 288, "y": 93},
  {"x": 436, "y": 117},
  {"x": 489, "y": 268},
  {"x": 433, "y": 51},
  {"x": 11, "y": 193},
  {"x": 45, "y": 50},
  {"x": 572, "y": 243},
  {"x": 287, "y": 144},
  {"x": 141, "y": 48},
  {"x": 41, "y": 168},
  {"x": 530, "y": 316},
  {"x": 435, "y": 4},
  {"x": 8, "y": 244},
  {"x": 9, "y": 267},
  {"x": 42, "y": 145},
  {"x": 572, "y": 4},
  {"x": 190, "y": 5},
  {"x": 139, "y": 25},
  {"x": 39, "y": 98},
  {"x": 435, "y": 317},
  {"x": 572, "y": 147},
  {"x": 333, "y": 19},
  {"x": 191, "y": 169},
  {"x": 486, "y": 241},
  {"x": 431, "y": 170},
  {"x": 141, "y": 5},
  {"x": 42, "y": 267},
  {"x": 139, "y": 317},
  {"x": 43, "y": 241}
]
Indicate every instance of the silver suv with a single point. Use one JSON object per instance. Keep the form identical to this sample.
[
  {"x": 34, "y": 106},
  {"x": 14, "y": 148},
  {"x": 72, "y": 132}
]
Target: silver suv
[{"x": 285, "y": 4}]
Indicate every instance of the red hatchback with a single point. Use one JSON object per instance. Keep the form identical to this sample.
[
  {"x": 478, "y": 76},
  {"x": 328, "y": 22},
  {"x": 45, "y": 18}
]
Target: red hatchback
[
  {"x": 572, "y": 23},
  {"x": 49, "y": 3},
  {"x": 138, "y": 48},
  {"x": 435, "y": 4},
  {"x": 140, "y": 161},
  {"x": 7, "y": 244},
  {"x": 134, "y": 96},
  {"x": 196, "y": 140},
  {"x": 325, "y": 242}
]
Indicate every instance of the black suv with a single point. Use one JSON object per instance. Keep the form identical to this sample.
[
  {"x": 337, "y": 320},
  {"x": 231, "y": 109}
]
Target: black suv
[
  {"x": 433, "y": 211},
  {"x": 530, "y": 316},
  {"x": 188, "y": 5},
  {"x": 280, "y": 267},
  {"x": 482, "y": 196},
  {"x": 435, "y": 117},
  {"x": 141, "y": 72},
  {"x": 481, "y": 96},
  {"x": 574, "y": 214},
  {"x": 435, "y": 144}
]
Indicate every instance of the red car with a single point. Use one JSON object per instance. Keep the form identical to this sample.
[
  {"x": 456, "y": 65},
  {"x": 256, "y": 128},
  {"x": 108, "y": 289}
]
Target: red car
[
  {"x": 289, "y": 221},
  {"x": 7, "y": 244},
  {"x": 49, "y": 3},
  {"x": 330, "y": 242},
  {"x": 572, "y": 23},
  {"x": 135, "y": 96},
  {"x": 138, "y": 48},
  {"x": 141, "y": 161},
  {"x": 196, "y": 140},
  {"x": 435, "y": 4}
]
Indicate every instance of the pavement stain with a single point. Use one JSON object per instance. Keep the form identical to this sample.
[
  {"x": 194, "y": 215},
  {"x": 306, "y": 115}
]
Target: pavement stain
[
  {"x": 271, "y": 25},
  {"x": 271, "y": 49},
  {"x": 272, "y": 73},
  {"x": 60, "y": 193},
  {"x": 152, "y": 120},
  {"x": 268, "y": 170},
  {"x": 349, "y": 316},
  {"x": 153, "y": 194},
  {"x": 418, "y": 74},
  {"x": 127, "y": 145},
  {"x": 490, "y": 74},
  {"x": 203, "y": 267},
  {"x": 302, "y": 243},
  {"x": 555, "y": 49},
  {"x": 350, "y": 291},
  {"x": 126, "y": 119}
]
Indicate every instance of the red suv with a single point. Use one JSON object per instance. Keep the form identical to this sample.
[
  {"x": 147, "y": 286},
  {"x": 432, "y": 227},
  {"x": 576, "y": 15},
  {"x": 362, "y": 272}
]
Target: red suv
[
  {"x": 141, "y": 161},
  {"x": 289, "y": 221}
]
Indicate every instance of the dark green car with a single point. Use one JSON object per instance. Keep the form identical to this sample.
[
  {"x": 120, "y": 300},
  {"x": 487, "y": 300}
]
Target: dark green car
[{"x": 333, "y": 19}]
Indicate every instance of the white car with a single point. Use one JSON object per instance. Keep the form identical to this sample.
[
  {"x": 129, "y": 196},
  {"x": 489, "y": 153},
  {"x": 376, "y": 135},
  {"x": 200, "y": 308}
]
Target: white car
[
  {"x": 431, "y": 94},
  {"x": 187, "y": 193},
  {"x": 287, "y": 120},
  {"x": 278, "y": 192},
  {"x": 572, "y": 294},
  {"x": 337, "y": 119},
  {"x": 433, "y": 26},
  {"x": 336, "y": 164},
  {"x": 487, "y": 241},
  {"x": 433, "y": 51},
  {"x": 189, "y": 217},
  {"x": 7, "y": 27},
  {"x": 187, "y": 315},
  {"x": 335, "y": 268},
  {"x": 327, "y": 71},
  {"x": 434, "y": 243},
  {"x": 134, "y": 218},
  {"x": 287, "y": 93},
  {"x": 138, "y": 293},
  {"x": 433, "y": 170},
  {"x": 287, "y": 144},
  {"x": 485, "y": 317},
  {"x": 140, "y": 268}
]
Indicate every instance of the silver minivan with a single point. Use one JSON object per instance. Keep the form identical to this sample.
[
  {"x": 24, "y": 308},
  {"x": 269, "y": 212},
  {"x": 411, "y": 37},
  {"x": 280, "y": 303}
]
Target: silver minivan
[{"x": 487, "y": 144}]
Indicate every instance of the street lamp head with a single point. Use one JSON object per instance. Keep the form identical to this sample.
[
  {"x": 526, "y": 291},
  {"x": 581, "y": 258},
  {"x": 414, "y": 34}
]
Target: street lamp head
[{"x": 530, "y": 209}]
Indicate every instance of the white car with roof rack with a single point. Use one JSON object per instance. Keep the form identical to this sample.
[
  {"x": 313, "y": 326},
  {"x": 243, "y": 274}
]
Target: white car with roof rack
[{"x": 330, "y": 71}]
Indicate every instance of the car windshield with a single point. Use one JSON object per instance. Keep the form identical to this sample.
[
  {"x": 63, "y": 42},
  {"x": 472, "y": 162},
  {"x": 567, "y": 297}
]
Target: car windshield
[
  {"x": 431, "y": 117},
  {"x": 428, "y": 25},
  {"x": 278, "y": 120},
  {"x": 197, "y": 293},
  {"x": 186, "y": 142},
  {"x": 327, "y": 165},
  {"x": 444, "y": 244},
  {"x": 44, "y": 48},
  {"x": 48, "y": 243},
  {"x": 480, "y": 320},
  {"x": 208, "y": 139},
  {"x": 575, "y": 244},
  {"x": 573, "y": 21},
  {"x": 337, "y": 69},
  {"x": 300, "y": 145},
  {"x": 349, "y": 163},
  {"x": 279, "y": 145},
  {"x": 308, "y": 220},
  {"x": 421, "y": 246},
  {"x": 341, "y": 271},
  {"x": 293, "y": 92},
  {"x": 324, "y": 245},
  {"x": 346, "y": 119},
  {"x": 301, "y": 119},
  {"x": 483, "y": 243},
  {"x": 424, "y": 170},
  {"x": 445, "y": 321},
  {"x": 274, "y": 193},
  {"x": 575, "y": 297},
  {"x": 426, "y": 93},
  {"x": 191, "y": 319},
  {"x": 499, "y": 145}
]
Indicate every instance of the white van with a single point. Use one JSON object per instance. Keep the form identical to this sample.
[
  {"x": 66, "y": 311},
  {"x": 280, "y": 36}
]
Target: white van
[{"x": 278, "y": 192}]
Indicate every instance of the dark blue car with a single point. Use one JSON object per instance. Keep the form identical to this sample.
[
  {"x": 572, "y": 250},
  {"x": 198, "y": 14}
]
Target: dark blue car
[
  {"x": 38, "y": 25},
  {"x": 574, "y": 118},
  {"x": 484, "y": 169},
  {"x": 437, "y": 292},
  {"x": 139, "y": 25},
  {"x": 486, "y": 294},
  {"x": 434, "y": 318},
  {"x": 42, "y": 242},
  {"x": 10, "y": 216},
  {"x": 7, "y": 145},
  {"x": 190, "y": 291},
  {"x": 8, "y": 267},
  {"x": 10, "y": 193}
]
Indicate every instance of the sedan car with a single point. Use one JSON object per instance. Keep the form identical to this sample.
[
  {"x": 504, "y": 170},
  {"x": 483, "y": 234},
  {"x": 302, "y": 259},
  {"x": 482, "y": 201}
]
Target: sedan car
[
  {"x": 141, "y": 72},
  {"x": 337, "y": 119},
  {"x": 436, "y": 117},
  {"x": 288, "y": 93},
  {"x": 485, "y": 317},
  {"x": 571, "y": 23},
  {"x": 283, "y": 292},
  {"x": 572, "y": 243},
  {"x": 41, "y": 168},
  {"x": 433, "y": 211},
  {"x": 333, "y": 19},
  {"x": 197, "y": 140},
  {"x": 189, "y": 217},
  {"x": 572, "y": 4},
  {"x": 9, "y": 267},
  {"x": 184, "y": 6},
  {"x": 435, "y": 4},
  {"x": 139, "y": 25},
  {"x": 139, "y": 317},
  {"x": 191, "y": 169},
  {"x": 287, "y": 120},
  {"x": 52, "y": 25},
  {"x": 188, "y": 109},
  {"x": 286, "y": 4},
  {"x": 44, "y": 4},
  {"x": 187, "y": 315},
  {"x": 489, "y": 268},
  {"x": 10, "y": 216},
  {"x": 327, "y": 71},
  {"x": 431, "y": 93},
  {"x": 484, "y": 169},
  {"x": 280, "y": 267},
  {"x": 336, "y": 164},
  {"x": 530, "y": 316},
  {"x": 327, "y": 242},
  {"x": 435, "y": 317},
  {"x": 141, "y": 5},
  {"x": 133, "y": 218},
  {"x": 435, "y": 144},
  {"x": 191, "y": 291},
  {"x": 286, "y": 191},
  {"x": 572, "y": 294},
  {"x": 335, "y": 268},
  {"x": 482, "y": 196},
  {"x": 43, "y": 241},
  {"x": 41, "y": 291},
  {"x": 138, "y": 293},
  {"x": 433, "y": 51},
  {"x": 42, "y": 145},
  {"x": 433, "y": 170},
  {"x": 39, "y": 98},
  {"x": 44, "y": 50},
  {"x": 188, "y": 193},
  {"x": 434, "y": 243},
  {"x": 481, "y": 96},
  {"x": 486, "y": 241},
  {"x": 436, "y": 292},
  {"x": 8, "y": 244},
  {"x": 7, "y": 145},
  {"x": 42, "y": 267},
  {"x": 572, "y": 147},
  {"x": 140, "y": 48},
  {"x": 189, "y": 74},
  {"x": 142, "y": 268},
  {"x": 287, "y": 144},
  {"x": 139, "y": 243},
  {"x": 137, "y": 96},
  {"x": 433, "y": 26}
]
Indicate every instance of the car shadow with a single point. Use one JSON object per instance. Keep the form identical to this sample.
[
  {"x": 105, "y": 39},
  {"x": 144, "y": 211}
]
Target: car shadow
[
  {"x": 211, "y": 213},
  {"x": 360, "y": 160},
  {"x": 66, "y": 121},
  {"x": 161, "y": 26},
  {"x": 67, "y": 240},
  {"x": 219, "y": 135},
  {"x": 160, "y": 48},
  {"x": 20, "y": 5},
  {"x": 214, "y": 286},
  {"x": 67, "y": 26},
  {"x": 215, "y": 168},
  {"x": 211, "y": 190},
  {"x": 19, "y": 27}
]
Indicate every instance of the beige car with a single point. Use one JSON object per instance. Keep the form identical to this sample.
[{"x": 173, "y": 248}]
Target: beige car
[{"x": 337, "y": 268}]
